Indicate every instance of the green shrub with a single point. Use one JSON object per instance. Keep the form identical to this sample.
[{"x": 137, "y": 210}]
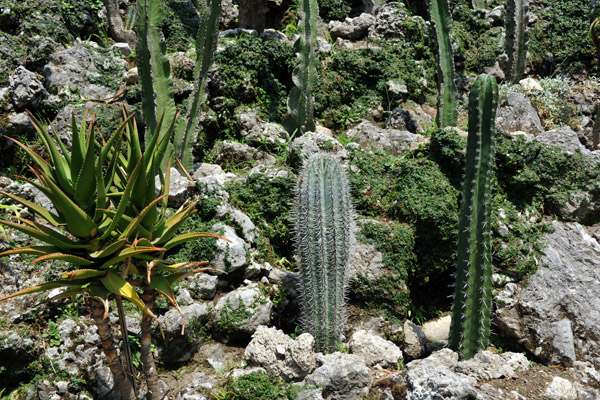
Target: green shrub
[{"x": 260, "y": 386}]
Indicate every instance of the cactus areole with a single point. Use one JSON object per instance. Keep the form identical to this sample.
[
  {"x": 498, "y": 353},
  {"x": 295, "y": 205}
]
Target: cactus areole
[
  {"x": 470, "y": 327},
  {"x": 324, "y": 236}
]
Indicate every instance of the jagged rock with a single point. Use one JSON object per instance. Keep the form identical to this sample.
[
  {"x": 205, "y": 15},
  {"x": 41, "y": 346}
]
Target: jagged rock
[
  {"x": 24, "y": 86},
  {"x": 240, "y": 312},
  {"x": 211, "y": 178},
  {"x": 281, "y": 355},
  {"x": 437, "y": 330},
  {"x": 530, "y": 84},
  {"x": 182, "y": 66},
  {"x": 389, "y": 21},
  {"x": 267, "y": 135},
  {"x": 487, "y": 365},
  {"x": 560, "y": 389},
  {"x": 401, "y": 119},
  {"x": 343, "y": 374},
  {"x": 311, "y": 142},
  {"x": 506, "y": 316},
  {"x": 242, "y": 220},
  {"x": 104, "y": 384},
  {"x": 558, "y": 308},
  {"x": 311, "y": 394},
  {"x": 178, "y": 347},
  {"x": 180, "y": 188},
  {"x": 568, "y": 141},
  {"x": 433, "y": 378},
  {"x": 75, "y": 71},
  {"x": 516, "y": 113},
  {"x": 375, "y": 350},
  {"x": 352, "y": 28},
  {"x": 366, "y": 260},
  {"x": 587, "y": 373},
  {"x": 392, "y": 141},
  {"x": 232, "y": 255},
  {"x": 172, "y": 322},
  {"x": 132, "y": 76},
  {"x": 122, "y": 47},
  {"x": 202, "y": 286},
  {"x": 414, "y": 341},
  {"x": 16, "y": 123},
  {"x": 240, "y": 153}
]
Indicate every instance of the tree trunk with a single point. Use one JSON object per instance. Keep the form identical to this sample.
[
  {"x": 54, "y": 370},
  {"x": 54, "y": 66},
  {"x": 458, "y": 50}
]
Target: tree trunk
[
  {"x": 148, "y": 296},
  {"x": 115, "y": 24},
  {"x": 112, "y": 357}
]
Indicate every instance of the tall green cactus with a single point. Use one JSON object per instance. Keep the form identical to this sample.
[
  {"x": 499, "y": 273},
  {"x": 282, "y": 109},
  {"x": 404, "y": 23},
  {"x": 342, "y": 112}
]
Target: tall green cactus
[
  {"x": 447, "y": 114},
  {"x": 517, "y": 19},
  {"x": 324, "y": 236},
  {"x": 206, "y": 41},
  {"x": 300, "y": 117},
  {"x": 470, "y": 327},
  {"x": 153, "y": 65}
]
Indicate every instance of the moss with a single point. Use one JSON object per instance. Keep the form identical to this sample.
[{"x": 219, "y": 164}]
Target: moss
[
  {"x": 231, "y": 318},
  {"x": 267, "y": 201},
  {"x": 356, "y": 80},
  {"x": 396, "y": 242}
]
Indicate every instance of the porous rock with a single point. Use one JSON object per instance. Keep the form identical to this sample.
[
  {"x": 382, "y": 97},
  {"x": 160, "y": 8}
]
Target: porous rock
[
  {"x": 516, "y": 113},
  {"x": 24, "y": 86},
  {"x": 560, "y": 389},
  {"x": 352, "y": 28},
  {"x": 375, "y": 350},
  {"x": 279, "y": 354},
  {"x": 180, "y": 188},
  {"x": 343, "y": 374},
  {"x": 392, "y": 141},
  {"x": 414, "y": 341},
  {"x": 487, "y": 365}
]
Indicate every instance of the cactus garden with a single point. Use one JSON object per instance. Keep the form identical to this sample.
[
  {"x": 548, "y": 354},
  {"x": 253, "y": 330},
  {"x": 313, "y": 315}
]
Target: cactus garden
[{"x": 299, "y": 199}]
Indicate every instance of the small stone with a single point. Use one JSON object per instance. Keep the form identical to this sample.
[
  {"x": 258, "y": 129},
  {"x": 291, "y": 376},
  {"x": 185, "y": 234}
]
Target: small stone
[
  {"x": 560, "y": 389},
  {"x": 529, "y": 84}
]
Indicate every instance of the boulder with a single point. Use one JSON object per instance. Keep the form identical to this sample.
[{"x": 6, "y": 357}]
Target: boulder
[
  {"x": 352, "y": 28},
  {"x": 414, "y": 341},
  {"x": 180, "y": 188},
  {"x": 568, "y": 141},
  {"x": 240, "y": 312},
  {"x": 516, "y": 113},
  {"x": 375, "y": 350},
  {"x": 267, "y": 135},
  {"x": 286, "y": 358},
  {"x": 24, "y": 87},
  {"x": 311, "y": 142},
  {"x": 560, "y": 389},
  {"x": 343, "y": 374},
  {"x": 229, "y": 256},
  {"x": 392, "y": 141},
  {"x": 486, "y": 365},
  {"x": 389, "y": 21},
  {"x": 177, "y": 347}
]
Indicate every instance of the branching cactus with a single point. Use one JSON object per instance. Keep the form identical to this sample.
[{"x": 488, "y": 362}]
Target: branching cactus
[
  {"x": 300, "y": 117},
  {"x": 470, "y": 327},
  {"x": 324, "y": 236},
  {"x": 517, "y": 19},
  {"x": 447, "y": 107},
  {"x": 153, "y": 65},
  {"x": 206, "y": 42}
]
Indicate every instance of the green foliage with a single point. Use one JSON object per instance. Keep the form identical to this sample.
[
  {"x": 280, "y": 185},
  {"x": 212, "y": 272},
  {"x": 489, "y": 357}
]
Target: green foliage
[
  {"x": 248, "y": 65},
  {"x": 471, "y": 308},
  {"x": 396, "y": 241},
  {"x": 231, "y": 318},
  {"x": 259, "y": 386},
  {"x": 267, "y": 202},
  {"x": 300, "y": 116},
  {"x": 323, "y": 221},
  {"x": 352, "y": 82},
  {"x": 447, "y": 105},
  {"x": 52, "y": 334},
  {"x": 334, "y": 9},
  {"x": 559, "y": 37}
]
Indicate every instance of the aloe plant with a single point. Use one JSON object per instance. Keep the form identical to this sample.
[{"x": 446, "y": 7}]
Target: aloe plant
[
  {"x": 470, "y": 326},
  {"x": 300, "y": 116},
  {"x": 324, "y": 236},
  {"x": 447, "y": 105},
  {"x": 517, "y": 19}
]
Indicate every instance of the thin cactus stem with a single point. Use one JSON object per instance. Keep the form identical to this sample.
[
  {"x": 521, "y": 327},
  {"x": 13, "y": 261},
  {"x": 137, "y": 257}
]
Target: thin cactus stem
[
  {"x": 517, "y": 19},
  {"x": 447, "y": 114},
  {"x": 470, "y": 327},
  {"x": 324, "y": 222}
]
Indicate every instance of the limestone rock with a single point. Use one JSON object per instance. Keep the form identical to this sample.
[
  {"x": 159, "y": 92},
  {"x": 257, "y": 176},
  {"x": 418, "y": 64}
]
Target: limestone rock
[
  {"x": 281, "y": 355},
  {"x": 516, "y": 113},
  {"x": 343, "y": 374},
  {"x": 232, "y": 255},
  {"x": 180, "y": 188},
  {"x": 487, "y": 365},
  {"x": 24, "y": 86},
  {"x": 352, "y": 28},
  {"x": 375, "y": 350},
  {"x": 560, "y": 389},
  {"x": 392, "y": 141},
  {"x": 414, "y": 341}
]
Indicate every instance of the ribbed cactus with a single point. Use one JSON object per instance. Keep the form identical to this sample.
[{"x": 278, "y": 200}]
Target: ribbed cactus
[
  {"x": 206, "y": 41},
  {"x": 153, "y": 65},
  {"x": 300, "y": 117},
  {"x": 470, "y": 327},
  {"x": 517, "y": 18},
  {"x": 324, "y": 235}
]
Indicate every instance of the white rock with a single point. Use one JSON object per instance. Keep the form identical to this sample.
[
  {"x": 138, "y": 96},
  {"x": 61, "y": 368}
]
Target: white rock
[
  {"x": 560, "y": 389},
  {"x": 437, "y": 330},
  {"x": 374, "y": 349}
]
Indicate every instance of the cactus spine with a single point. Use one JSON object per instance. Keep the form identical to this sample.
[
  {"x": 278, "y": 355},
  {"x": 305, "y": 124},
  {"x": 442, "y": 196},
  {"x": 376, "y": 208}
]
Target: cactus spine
[
  {"x": 470, "y": 327},
  {"x": 447, "y": 106},
  {"x": 517, "y": 18},
  {"x": 300, "y": 117},
  {"x": 324, "y": 236},
  {"x": 206, "y": 41}
]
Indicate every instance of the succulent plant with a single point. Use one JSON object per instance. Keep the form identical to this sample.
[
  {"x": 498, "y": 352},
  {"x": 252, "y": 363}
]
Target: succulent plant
[
  {"x": 470, "y": 327},
  {"x": 517, "y": 19},
  {"x": 324, "y": 236}
]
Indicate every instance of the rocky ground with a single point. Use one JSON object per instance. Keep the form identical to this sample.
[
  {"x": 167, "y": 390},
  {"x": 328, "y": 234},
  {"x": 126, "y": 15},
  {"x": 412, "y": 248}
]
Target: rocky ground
[{"x": 241, "y": 339}]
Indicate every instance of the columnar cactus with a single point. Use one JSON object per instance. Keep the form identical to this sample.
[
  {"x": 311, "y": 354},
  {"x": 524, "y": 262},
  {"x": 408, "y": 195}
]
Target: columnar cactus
[
  {"x": 447, "y": 114},
  {"x": 300, "y": 117},
  {"x": 517, "y": 18},
  {"x": 470, "y": 327},
  {"x": 324, "y": 235}
]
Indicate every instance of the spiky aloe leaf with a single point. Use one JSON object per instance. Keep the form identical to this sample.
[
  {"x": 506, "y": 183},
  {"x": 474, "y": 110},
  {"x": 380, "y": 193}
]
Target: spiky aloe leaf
[
  {"x": 324, "y": 236},
  {"x": 153, "y": 64},
  {"x": 517, "y": 19},
  {"x": 300, "y": 117},
  {"x": 470, "y": 327},
  {"x": 447, "y": 114},
  {"x": 206, "y": 42}
]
